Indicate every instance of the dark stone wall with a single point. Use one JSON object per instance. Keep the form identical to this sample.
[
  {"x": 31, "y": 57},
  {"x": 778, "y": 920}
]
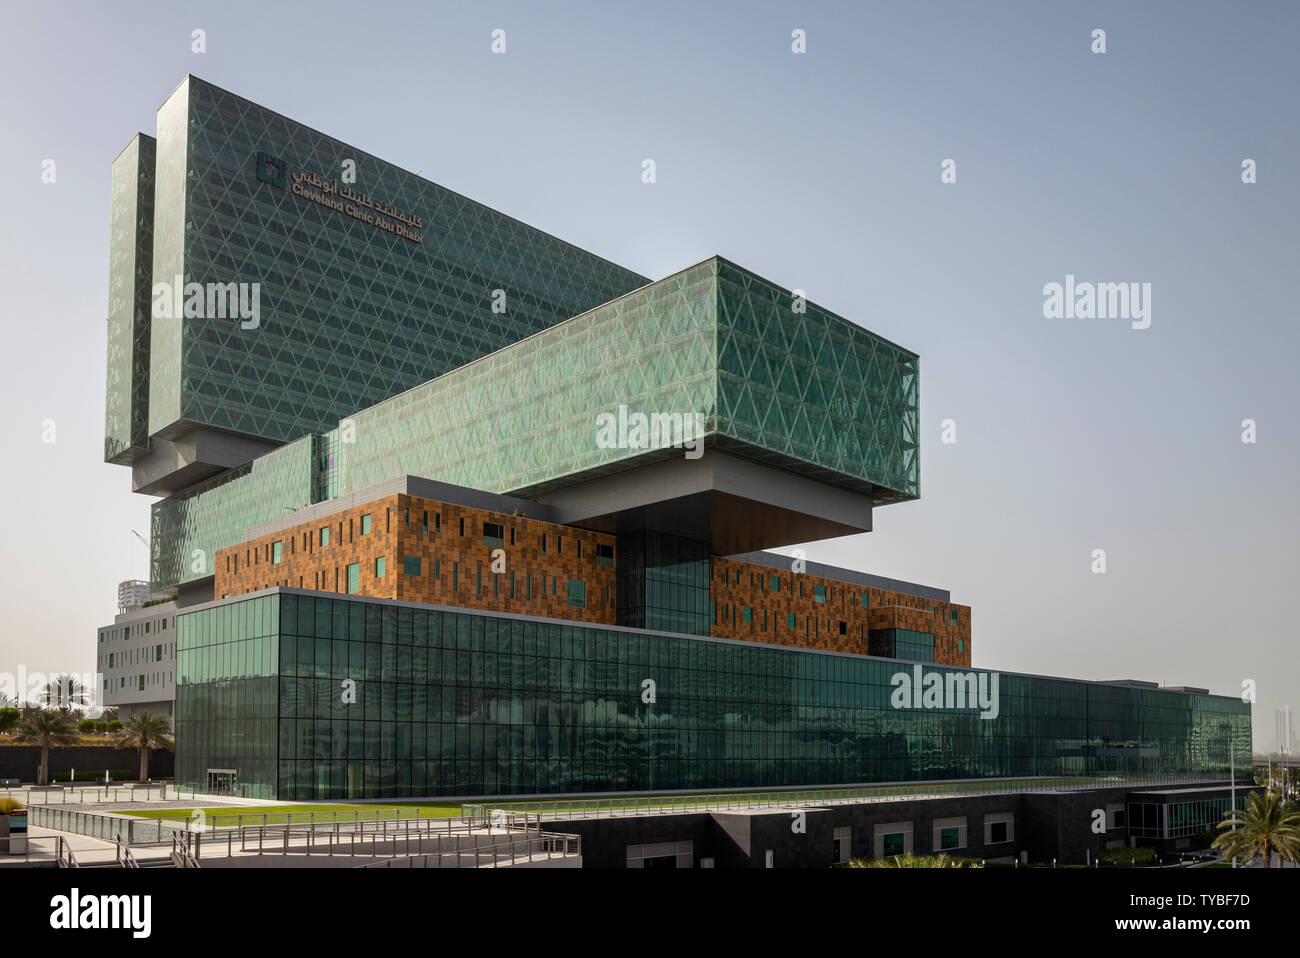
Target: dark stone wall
[
  {"x": 1049, "y": 825},
  {"x": 23, "y": 761}
]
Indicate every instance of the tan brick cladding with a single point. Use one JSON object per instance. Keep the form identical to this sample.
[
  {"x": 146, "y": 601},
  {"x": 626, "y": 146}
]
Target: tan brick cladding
[
  {"x": 734, "y": 585},
  {"x": 447, "y": 558}
]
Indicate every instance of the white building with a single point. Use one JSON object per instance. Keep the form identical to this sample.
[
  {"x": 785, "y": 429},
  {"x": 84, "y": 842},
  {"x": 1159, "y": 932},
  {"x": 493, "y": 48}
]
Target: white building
[
  {"x": 134, "y": 593},
  {"x": 136, "y": 659}
]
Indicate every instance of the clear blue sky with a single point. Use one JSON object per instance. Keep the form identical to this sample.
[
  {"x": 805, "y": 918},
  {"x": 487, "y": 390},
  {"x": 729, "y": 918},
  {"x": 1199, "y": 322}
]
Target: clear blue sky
[{"x": 818, "y": 171}]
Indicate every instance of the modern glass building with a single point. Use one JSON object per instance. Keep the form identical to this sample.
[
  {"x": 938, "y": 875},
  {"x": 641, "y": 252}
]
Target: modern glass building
[
  {"x": 808, "y": 393},
  {"x": 369, "y": 280},
  {"x": 351, "y": 388},
  {"x": 312, "y": 696}
]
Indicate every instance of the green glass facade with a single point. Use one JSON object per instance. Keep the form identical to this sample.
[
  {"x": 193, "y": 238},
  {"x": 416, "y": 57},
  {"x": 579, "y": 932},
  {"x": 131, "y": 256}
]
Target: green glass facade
[
  {"x": 349, "y": 313},
  {"x": 812, "y": 392},
  {"x": 901, "y": 644},
  {"x": 130, "y": 280},
  {"x": 471, "y": 703},
  {"x": 712, "y": 339}
]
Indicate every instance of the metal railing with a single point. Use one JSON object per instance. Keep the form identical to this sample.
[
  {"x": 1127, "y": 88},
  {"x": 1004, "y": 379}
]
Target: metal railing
[
  {"x": 543, "y": 847},
  {"x": 140, "y": 831},
  {"x": 31, "y": 795},
  {"x": 63, "y": 854},
  {"x": 181, "y": 855},
  {"x": 569, "y": 808}
]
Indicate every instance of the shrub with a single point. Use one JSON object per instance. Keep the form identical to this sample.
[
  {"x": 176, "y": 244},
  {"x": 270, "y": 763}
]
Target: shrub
[
  {"x": 1126, "y": 857},
  {"x": 101, "y": 726},
  {"x": 115, "y": 726},
  {"x": 942, "y": 860},
  {"x": 86, "y": 725}
]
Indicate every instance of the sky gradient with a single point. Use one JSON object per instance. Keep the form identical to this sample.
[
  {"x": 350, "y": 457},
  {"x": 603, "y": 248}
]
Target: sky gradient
[{"x": 818, "y": 171}]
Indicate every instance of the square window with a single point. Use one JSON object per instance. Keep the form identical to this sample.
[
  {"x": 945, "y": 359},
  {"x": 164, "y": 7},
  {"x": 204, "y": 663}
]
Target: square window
[
  {"x": 789, "y": 619},
  {"x": 380, "y": 569},
  {"x": 819, "y": 594},
  {"x": 365, "y": 525},
  {"x": 577, "y": 593},
  {"x": 844, "y": 628},
  {"x": 494, "y": 534},
  {"x": 747, "y": 614},
  {"x": 604, "y": 555},
  {"x": 866, "y": 601},
  {"x": 410, "y": 565},
  {"x": 893, "y": 843},
  {"x": 774, "y": 584},
  {"x": 949, "y": 838},
  {"x": 952, "y": 617},
  {"x": 997, "y": 832}
]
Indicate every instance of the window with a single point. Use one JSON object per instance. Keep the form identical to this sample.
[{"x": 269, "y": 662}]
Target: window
[
  {"x": 949, "y": 833},
  {"x": 277, "y": 552},
  {"x": 462, "y": 525},
  {"x": 579, "y": 548},
  {"x": 819, "y": 594},
  {"x": 747, "y": 613},
  {"x": 604, "y": 554},
  {"x": 789, "y": 620},
  {"x": 543, "y": 543},
  {"x": 410, "y": 565},
  {"x": 325, "y": 535},
  {"x": 157, "y": 653},
  {"x": 961, "y": 645},
  {"x": 354, "y": 578},
  {"x": 844, "y": 628},
  {"x": 841, "y": 840},
  {"x": 380, "y": 569},
  {"x": 866, "y": 601},
  {"x": 577, "y": 593},
  {"x": 365, "y": 525},
  {"x": 894, "y": 843},
  {"x": 774, "y": 585},
  {"x": 494, "y": 534},
  {"x": 406, "y": 516},
  {"x": 952, "y": 617},
  {"x": 1000, "y": 826}
]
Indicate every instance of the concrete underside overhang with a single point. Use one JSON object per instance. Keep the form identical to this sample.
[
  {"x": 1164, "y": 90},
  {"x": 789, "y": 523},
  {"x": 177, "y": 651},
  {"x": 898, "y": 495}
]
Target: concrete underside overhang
[
  {"x": 737, "y": 505},
  {"x": 173, "y": 465}
]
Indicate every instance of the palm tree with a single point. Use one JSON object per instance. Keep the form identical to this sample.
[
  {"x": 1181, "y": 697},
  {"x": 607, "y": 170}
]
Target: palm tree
[
  {"x": 63, "y": 692},
  {"x": 48, "y": 728},
  {"x": 1266, "y": 824},
  {"x": 144, "y": 731}
]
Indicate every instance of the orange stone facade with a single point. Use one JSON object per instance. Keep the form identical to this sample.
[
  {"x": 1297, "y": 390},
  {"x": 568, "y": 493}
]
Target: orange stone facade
[
  {"x": 455, "y": 560},
  {"x": 835, "y": 619},
  {"x": 421, "y": 550}
]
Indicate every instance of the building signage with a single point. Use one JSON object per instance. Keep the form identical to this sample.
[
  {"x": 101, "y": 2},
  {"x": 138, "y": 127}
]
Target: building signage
[{"x": 340, "y": 197}]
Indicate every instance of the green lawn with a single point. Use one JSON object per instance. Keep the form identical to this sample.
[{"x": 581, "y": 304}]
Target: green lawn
[{"x": 281, "y": 814}]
